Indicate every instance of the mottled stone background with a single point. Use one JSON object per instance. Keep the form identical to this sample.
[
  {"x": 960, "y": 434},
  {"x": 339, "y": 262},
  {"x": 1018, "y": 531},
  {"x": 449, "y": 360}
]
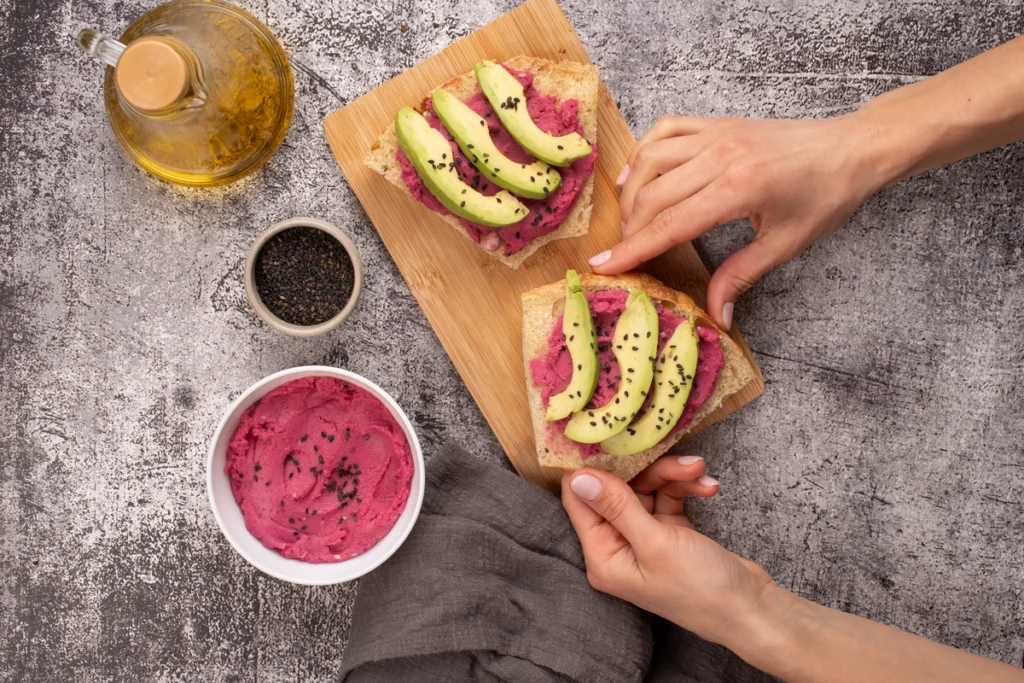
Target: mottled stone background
[{"x": 881, "y": 472}]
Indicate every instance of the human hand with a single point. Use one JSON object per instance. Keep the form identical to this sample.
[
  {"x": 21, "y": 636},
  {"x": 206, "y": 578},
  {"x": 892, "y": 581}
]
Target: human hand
[
  {"x": 639, "y": 547},
  {"x": 796, "y": 180}
]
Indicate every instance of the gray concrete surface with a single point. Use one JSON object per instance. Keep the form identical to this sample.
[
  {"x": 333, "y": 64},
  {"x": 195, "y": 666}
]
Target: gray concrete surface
[{"x": 881, "y": 472}]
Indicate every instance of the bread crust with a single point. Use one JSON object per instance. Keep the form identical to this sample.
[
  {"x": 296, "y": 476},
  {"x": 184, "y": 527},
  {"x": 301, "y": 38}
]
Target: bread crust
[
  {"x": 541, "y": 308},
  {"x": 566, "y": 80}
]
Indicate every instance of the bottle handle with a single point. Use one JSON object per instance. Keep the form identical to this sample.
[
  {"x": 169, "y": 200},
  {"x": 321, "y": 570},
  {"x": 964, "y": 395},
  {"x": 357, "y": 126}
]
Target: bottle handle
[{"x": 104, "y": 48}]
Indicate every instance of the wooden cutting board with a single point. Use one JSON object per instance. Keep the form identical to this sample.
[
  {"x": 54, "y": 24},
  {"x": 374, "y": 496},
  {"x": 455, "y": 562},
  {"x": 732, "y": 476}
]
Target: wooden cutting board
[{"x": 472, "y": 301}]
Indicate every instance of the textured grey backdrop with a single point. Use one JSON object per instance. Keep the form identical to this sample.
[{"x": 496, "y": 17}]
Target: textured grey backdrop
[{"x": 881, "y": 472}]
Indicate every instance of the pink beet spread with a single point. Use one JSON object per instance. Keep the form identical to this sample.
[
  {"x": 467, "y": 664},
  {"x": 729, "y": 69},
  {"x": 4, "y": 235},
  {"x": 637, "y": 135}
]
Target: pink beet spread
[
  {"x": 320, "y": 469},
  {"x": 553, "y": 371},
  {"x": 545, "y": 214}
]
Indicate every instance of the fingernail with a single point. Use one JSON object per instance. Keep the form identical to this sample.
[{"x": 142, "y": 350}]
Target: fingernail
[
  {"x": 727, "y": 314},
  {"x": 586, "y": 486},
  {"x": 705, "y": 480},
  {"x": 490, "y": 241},
  {"x": 689, "y": 459},
  {"x": 621, "y": 180},
  {"x": 601, "y": 258}
]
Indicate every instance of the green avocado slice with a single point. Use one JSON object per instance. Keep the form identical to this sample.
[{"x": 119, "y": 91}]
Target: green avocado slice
[
  {"x": 508, "y": 98},
  {"x": 535, "y": 181},
  {"x": 635, "y": 344},
  {"x": 673, "y": 380},
  {"x": 581, "y": 340},
  {"x": 429, "y": 152}
]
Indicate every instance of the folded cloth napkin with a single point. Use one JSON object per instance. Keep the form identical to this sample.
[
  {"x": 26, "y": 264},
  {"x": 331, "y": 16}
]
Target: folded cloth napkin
[{"x": 491, "y": 587}]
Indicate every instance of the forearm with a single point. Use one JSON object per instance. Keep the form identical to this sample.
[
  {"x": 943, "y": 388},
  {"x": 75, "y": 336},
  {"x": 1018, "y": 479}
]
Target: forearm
[
  {"x": 971, "y": 108},
  {"x": 798, "y": 641}
]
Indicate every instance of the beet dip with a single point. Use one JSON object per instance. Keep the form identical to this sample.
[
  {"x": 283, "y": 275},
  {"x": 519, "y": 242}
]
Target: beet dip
[
  {"x": 320, "y": 469},
  {"x": 545, "y": 214},
  {"x": 553, "y": 371}
]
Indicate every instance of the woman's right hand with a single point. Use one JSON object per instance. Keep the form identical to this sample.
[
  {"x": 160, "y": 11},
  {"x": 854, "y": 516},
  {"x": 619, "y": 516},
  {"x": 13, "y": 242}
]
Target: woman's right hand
[
  {"x": 796, "y": 180},
  {"x": 639, "y": 547}
]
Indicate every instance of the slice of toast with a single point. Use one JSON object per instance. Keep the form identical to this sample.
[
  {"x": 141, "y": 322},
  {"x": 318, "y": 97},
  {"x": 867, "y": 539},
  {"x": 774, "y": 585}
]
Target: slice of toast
[
  {"x": 541, "y": 309},
  {"x": 564, "y": 80}
]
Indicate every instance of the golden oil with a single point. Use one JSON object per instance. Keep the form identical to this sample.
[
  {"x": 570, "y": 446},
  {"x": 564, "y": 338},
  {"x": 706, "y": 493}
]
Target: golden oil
[{"x": 231, "y": 109}]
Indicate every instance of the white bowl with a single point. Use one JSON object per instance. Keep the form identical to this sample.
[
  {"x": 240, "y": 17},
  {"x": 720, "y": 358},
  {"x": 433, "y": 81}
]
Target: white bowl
[{"x": 229, "y": 515}]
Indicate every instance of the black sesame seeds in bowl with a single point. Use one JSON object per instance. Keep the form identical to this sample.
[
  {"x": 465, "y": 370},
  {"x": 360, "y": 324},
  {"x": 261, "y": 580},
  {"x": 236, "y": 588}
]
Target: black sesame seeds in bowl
[{"x": 303, "y": 277}]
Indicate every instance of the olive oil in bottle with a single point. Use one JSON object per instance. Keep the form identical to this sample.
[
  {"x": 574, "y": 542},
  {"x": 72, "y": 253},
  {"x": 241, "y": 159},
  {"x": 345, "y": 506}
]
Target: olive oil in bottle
[{"x": 198, "y": 92}]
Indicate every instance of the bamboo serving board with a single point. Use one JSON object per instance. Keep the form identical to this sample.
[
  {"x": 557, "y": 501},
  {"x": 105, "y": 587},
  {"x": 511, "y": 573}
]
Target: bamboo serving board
[{"x": 472, "y": 301}]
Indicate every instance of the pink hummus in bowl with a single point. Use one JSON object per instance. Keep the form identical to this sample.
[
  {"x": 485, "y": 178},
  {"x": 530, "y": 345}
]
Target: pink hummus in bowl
[{"x": 315, "y": 475}]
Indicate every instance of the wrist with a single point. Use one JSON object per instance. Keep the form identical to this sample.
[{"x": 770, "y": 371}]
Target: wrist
[
  {"x": 767, "y": 635},
  {"x": 889, "y": 149}
]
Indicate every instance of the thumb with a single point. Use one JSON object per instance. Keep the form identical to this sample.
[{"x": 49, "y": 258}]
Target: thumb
[
  {"x": 614, "y": 501},
  {"x": 738, "y": 273}
]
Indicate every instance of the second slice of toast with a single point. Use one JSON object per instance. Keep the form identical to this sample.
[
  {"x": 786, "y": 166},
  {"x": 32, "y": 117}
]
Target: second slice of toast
[{"x": 541, "y": 310}]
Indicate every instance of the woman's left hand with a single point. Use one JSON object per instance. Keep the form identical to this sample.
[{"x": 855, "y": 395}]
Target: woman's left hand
[{"x": 638, "y": 546}]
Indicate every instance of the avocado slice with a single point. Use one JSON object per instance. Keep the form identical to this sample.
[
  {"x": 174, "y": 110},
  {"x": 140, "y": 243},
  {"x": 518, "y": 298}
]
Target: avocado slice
[
  {"x": 673, "y": 379},
  {"x": 535, "y": 181},
  {"x": 430, "y": 154},
  {"x": 508, "y": 98},
  {"x": 635, "y": 344},
  {"x": 581, "y": 340}
]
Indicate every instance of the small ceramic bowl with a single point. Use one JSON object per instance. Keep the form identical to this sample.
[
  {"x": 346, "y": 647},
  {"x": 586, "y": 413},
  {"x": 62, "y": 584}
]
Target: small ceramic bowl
[
  {"x": 261, "y": 308},
  {"x": 229, "y": 515}
]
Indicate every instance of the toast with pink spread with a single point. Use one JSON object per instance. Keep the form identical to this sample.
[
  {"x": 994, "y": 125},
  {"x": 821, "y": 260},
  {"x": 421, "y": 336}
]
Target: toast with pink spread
[
  {"x": 717, "y": 370},
  {"x": 561, "y": 98}
]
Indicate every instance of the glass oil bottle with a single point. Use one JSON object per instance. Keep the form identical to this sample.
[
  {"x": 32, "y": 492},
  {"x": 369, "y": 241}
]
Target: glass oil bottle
[{"x": 198, "y": 92}]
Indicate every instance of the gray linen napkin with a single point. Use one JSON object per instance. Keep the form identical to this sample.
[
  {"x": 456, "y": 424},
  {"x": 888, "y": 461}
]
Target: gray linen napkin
[{"x": 491, "y": 587}]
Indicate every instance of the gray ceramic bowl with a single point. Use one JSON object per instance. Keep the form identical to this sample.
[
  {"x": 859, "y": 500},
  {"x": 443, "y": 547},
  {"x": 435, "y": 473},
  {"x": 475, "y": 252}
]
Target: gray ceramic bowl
[{"x": 261, "y": 308}]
